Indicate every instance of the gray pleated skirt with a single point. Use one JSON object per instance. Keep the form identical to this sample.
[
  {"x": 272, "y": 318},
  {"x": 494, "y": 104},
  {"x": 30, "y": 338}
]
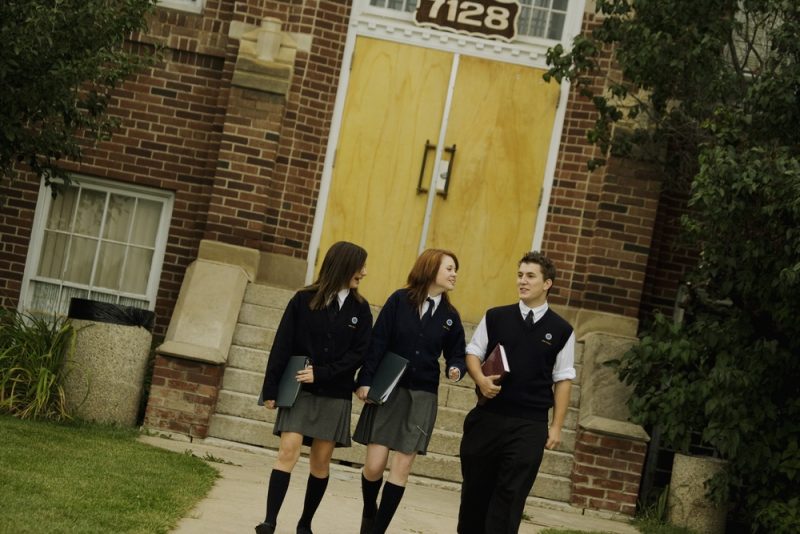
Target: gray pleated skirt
[
  {"x": 316, "y": 418},
  {"x": 403, "y": 423}
]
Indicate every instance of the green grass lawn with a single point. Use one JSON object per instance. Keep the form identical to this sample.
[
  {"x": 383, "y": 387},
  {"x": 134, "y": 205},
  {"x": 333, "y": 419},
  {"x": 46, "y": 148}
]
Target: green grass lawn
[{"x": 86, "y": 478}]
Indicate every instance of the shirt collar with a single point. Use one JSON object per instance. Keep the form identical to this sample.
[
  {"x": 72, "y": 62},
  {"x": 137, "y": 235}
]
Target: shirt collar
[
  {"x": 341, "y": 296},
  {"x": 436, "y": 300},
  {"x": 538, "y": 311}
]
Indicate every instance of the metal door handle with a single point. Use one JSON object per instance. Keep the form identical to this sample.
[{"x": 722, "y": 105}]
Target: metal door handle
[{"x": 445, "y": 178}]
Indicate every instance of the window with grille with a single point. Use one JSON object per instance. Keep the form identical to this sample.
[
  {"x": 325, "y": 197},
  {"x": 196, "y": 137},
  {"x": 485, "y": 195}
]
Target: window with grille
[
  {"x": 96, "y": 240},
  {"x": 193, "y": 6},
  {"x": 537, "y": 18}
]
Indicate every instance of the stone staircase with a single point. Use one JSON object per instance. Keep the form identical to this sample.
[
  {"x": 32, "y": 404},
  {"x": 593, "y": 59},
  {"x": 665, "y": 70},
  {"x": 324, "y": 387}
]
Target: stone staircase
[{"x": 238, "y": 418}]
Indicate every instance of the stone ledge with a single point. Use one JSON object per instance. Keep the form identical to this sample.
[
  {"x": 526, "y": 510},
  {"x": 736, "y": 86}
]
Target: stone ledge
[{"x": 611, "y": 427}]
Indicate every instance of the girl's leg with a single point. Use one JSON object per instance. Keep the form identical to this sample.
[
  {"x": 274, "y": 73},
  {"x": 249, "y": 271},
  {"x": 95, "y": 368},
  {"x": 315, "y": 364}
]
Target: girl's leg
[
  {"x": 288, "y": 453},
  {"x": 319, "y": 463},
  {"x": 371, "y": 481},
  {"x": 393, "y": 490}
]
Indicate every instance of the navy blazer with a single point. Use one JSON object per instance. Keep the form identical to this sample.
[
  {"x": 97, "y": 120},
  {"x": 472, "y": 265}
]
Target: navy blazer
[
  {"x": 335, "y": 341},
  {"x": 399, "y": 329}
]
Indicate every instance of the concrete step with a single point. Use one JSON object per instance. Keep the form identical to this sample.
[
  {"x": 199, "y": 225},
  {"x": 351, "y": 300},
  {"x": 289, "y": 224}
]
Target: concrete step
[
  {"x": 268, "y": 296},
  {"x": 257, "y": 315},
  {"x": 247, "y": 359},
  {"x": 254, "y": 337},
  {"x": 433, "y": 465}
]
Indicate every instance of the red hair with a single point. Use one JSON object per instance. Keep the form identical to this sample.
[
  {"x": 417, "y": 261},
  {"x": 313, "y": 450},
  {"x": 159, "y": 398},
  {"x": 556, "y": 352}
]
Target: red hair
[{"x": 424, "y": 272}]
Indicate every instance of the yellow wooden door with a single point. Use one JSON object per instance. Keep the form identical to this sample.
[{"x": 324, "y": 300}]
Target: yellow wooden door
[
  {"x": 501, "y": 122},
  {"x": 394, "y": 104}
]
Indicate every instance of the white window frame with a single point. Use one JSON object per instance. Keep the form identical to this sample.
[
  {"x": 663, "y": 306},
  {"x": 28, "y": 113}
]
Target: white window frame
[
  {"x": 192, "y": 6},
  {"x": 43, "y": 204}
]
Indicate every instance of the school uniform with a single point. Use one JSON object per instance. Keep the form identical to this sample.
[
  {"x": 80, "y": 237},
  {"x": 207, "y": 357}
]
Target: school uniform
[
  {"x": 503, "y": 440},
  {"x": 405, "y": 421},
  {"x": 335, "y": 338}
]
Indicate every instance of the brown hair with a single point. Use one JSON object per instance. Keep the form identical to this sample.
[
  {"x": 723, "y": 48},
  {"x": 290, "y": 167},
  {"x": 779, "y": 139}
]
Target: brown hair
[
  {"x": 546, "y": 265},
  {"x": 424, "y": 272},
  {"x": 342, "y": 261}
]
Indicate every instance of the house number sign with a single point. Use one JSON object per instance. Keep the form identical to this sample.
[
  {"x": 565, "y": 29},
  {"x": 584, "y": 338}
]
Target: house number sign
[{"x": 488, "y": 18}]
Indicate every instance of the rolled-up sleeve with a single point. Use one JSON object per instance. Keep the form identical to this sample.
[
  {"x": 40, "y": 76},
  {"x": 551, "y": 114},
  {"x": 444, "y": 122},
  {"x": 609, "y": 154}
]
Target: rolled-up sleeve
[
  {"x": 564, "y": 368},
  {"x": 480, "y": 339}
]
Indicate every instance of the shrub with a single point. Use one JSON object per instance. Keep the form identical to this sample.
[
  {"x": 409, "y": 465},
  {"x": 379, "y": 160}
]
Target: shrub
[{"x": 33, "y": 351}]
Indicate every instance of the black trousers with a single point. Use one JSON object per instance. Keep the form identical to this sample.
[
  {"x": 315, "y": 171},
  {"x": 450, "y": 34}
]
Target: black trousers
[{"x": 500, "y": 457}]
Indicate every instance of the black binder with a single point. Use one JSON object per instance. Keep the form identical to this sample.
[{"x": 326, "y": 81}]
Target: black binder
[
  {"x": 288, "y": 387},
  {"x": 388, "y": 374}
]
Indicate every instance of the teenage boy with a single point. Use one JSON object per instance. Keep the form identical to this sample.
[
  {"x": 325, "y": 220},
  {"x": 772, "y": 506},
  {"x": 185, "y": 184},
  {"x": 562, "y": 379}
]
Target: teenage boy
[{"x": 504, "y": 438}]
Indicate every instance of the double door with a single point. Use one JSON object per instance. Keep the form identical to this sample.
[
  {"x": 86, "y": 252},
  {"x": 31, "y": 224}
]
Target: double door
[{"x": 488, "y": 182}]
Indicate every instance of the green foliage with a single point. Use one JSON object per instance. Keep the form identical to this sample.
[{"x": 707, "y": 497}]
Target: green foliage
[
  {"x": 59, "y": 61},
  {"x": 33, "y": 351},
  {"x": 710, "y": 90},
  {"x": 86, "y": 478}
]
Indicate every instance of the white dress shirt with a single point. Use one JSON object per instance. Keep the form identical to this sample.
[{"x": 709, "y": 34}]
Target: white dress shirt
[
  {"x": 564, "y": 367},
  {"x": 436, "y": 300}
]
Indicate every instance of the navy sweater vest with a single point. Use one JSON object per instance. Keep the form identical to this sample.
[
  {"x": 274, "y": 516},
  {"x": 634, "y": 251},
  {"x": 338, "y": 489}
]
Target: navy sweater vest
[{"x": 527, "y": 391}]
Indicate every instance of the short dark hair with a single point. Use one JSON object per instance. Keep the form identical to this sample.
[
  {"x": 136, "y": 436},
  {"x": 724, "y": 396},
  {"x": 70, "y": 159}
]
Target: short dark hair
[{"x": 545, "y": 264}]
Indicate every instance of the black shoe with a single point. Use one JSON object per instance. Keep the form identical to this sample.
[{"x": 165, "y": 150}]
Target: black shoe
[
  {"x": 265, "y": 528},
  {"x": 366, "y": 524},
  {"x": 302, "y": 529}
]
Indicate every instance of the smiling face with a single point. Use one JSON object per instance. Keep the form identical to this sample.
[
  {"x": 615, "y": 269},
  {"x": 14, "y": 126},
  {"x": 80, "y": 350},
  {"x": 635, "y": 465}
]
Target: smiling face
[
  {"x": 356, "y": 279},
  {"x": 445, "y": 277},
  {"x": 531, "y": 285}
]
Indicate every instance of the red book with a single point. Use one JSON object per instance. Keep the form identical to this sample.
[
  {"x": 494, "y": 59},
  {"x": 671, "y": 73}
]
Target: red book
[{"x": 495, "y": 363}]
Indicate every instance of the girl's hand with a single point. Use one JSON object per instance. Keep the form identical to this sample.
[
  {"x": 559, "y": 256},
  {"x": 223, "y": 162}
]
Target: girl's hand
[
  {"x": 305, "y": 376},
  {"x": 362, "y": 393},
  {"x": 269, "y": 404},
  {"x": 454, "y": 374}
]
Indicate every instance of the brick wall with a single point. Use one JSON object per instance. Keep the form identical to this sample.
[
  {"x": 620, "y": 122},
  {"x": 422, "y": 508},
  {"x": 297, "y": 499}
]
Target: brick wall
[
  {"x": 183, "y": 395},
  {"x": 606, "y": 472},
  {"x": 306, "y": 126},
  {"x": 600, "y": 223}
]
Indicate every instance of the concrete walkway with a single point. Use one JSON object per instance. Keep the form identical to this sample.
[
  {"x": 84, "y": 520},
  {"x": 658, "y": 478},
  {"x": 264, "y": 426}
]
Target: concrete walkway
[{"x": 236, "y": 503}]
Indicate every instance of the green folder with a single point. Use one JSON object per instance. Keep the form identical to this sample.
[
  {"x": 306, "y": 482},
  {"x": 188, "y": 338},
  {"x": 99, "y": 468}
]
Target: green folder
[
  {"x": 389, "y": 372},
  {"x": 289, "y": 387}
]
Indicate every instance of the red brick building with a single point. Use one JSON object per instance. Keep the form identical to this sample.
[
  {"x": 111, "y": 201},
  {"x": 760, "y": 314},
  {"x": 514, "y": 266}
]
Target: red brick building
[{"x": 279, "y": 127}]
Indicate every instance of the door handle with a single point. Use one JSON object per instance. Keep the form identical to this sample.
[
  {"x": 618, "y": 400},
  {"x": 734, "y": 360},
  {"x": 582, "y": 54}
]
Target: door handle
[{"x": 442, "y": 175}]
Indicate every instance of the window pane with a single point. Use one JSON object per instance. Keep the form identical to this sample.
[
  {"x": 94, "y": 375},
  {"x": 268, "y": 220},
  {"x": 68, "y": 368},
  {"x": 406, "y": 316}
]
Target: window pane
[
  {"x": 538, "y": 22},
  {"x": 118, "y": 217},
  {"x": 542, "y": 3},
  {"x": 136, "y": 303},
  {"x": 378, "y": 3},
  {"x": 62, "y": 209},
  {"x": 137, "y": 270},
  {"x": 45, "y": 296},
  {"x": 90, "y": 212},
  {"x": 556, "y": 25},
  {"x": 560, "y": 5},
  {"x": 81, "y": 257},
  {"x": 146, "y": 223},
  {"x": 54, "y": 249},
  {"x": 99, "y": 296},
  {"x": 109, "y": 265},
  {"x": 411, "y": 6}
]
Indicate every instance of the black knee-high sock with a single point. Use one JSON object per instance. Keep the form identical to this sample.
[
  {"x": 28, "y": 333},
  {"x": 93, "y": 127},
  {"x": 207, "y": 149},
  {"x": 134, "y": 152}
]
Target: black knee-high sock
[
  {"x": 390, "y": 500},
  {"x": 278, "y": 484},
  {"x": 369, "y": 491},
  {"x": 315, "y": 489}
]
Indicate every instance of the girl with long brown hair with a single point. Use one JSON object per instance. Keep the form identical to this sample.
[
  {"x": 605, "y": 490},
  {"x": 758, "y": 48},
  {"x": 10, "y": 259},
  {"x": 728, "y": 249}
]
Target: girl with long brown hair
[
  {"x": 419, "y": 323},
  {"x": 329, "y": 322}
]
